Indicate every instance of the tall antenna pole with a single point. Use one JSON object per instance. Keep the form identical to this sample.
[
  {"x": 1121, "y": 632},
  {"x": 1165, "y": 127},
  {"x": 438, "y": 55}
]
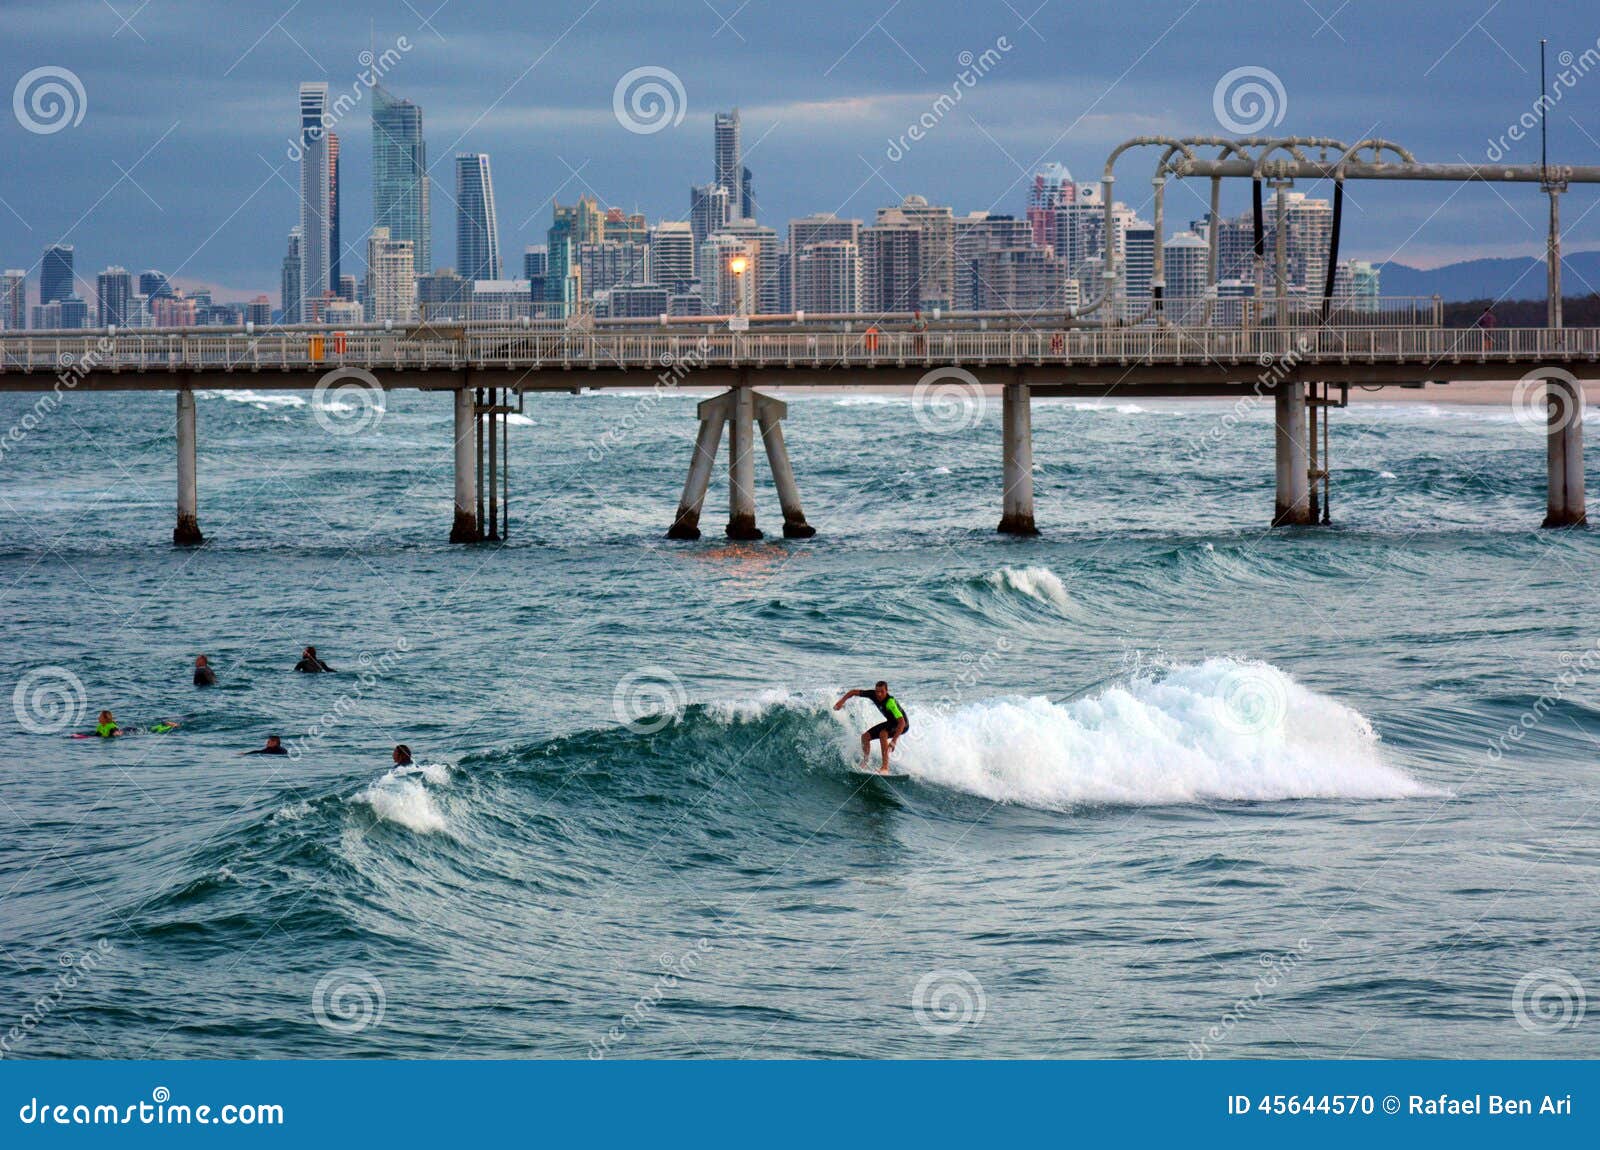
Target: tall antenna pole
[{"x": 1544, "y": 117}]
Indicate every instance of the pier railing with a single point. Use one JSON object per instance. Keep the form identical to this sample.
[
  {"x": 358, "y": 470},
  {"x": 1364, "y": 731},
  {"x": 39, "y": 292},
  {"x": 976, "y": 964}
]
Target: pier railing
[{"x": 654, "y": 349}]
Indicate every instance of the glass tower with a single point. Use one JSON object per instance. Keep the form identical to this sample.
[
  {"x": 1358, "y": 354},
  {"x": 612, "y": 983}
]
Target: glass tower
[{"x": 400, "y": 175}]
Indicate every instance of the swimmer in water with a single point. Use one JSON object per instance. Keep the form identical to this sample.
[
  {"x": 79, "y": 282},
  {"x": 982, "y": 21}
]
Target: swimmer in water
[
  {"x": 402, "y": 755},
  {"x": 204, "y": 676},
  {"x": 274, "y": 747},
  {"x": 105, "y": 726},
  {"x": 309, "y": 663}
]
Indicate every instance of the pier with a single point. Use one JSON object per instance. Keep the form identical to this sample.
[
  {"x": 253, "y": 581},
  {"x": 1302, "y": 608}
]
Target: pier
[{"x": 1301, "y": 354}]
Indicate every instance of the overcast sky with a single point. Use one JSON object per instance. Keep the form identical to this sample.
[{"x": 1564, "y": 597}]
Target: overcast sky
[{"x": 179, "y": 158}]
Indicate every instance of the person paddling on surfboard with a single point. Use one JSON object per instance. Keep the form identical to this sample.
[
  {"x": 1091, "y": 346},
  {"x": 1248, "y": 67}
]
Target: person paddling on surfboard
[
  {"x": 105, "y": 726},
  {"x": 888, "y": 732}
]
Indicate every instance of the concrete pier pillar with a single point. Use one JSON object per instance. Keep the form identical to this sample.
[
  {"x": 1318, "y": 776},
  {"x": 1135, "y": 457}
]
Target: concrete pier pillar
[
  {"x": 467, "y": 527},
  {"x": 1016, "y": 419},
  {"x": 742, "y": 466},
  {"x": 770, "y": 414},
  {"x": 187, "y": 532},
  {"x": 713, "y": 414},
  {"x": 1564, "y": 454},
  {"x": 1293, "y": 458}
]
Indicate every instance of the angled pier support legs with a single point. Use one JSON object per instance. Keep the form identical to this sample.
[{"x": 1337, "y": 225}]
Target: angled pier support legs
[
  {"x": 1293, "y": 507},
  {"x": 1564, "y": 454},
  {"x": 770, "y": 414},
  {"x": 187, "y": 532},
  {"x": 1016, "y": 418},
  {"x": 467, "y": 528},
  {"x": 713, "y": 414},
  {"x": 741, "y": 410}
]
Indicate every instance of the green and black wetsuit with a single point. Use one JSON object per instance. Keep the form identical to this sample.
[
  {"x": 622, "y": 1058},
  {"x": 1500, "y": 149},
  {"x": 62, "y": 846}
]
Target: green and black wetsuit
[{"x": 892, "y": 713}]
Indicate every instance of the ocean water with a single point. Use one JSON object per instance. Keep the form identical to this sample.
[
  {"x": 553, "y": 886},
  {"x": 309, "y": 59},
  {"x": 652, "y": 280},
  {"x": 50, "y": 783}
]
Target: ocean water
[{"x": 1180, "y": 786}]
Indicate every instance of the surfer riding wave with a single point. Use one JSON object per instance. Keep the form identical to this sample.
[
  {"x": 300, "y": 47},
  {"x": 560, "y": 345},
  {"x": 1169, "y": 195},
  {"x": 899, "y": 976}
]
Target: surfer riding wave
[{"x": 887, "y": 733}]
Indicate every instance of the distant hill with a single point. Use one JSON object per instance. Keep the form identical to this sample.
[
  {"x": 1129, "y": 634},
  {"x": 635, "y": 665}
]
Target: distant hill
[{"x": 1511, "y": 279}]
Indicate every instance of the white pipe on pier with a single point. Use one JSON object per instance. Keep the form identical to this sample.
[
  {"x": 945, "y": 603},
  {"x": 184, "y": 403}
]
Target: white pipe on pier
[
  {"x": 713, "y": 414},
  {"x": 467, "y": 528},
  {"x": 1016, "y": 419},
  {"x": 187, "y": 532},
  {"x": 770, "y": 413}
]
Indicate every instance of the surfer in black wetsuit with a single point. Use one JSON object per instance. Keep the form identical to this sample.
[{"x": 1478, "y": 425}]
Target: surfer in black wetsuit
[
  {"x": 204, "y": 676},
  {"x": 888, "y": 732},
  {"x": 274, "y": 747},
  {"x": 402, "y": 755},
  {"x": 309, "y": 663}
]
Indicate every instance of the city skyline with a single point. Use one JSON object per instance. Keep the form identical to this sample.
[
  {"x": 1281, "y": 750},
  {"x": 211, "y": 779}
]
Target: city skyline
[{"x": 816, "y": 118}]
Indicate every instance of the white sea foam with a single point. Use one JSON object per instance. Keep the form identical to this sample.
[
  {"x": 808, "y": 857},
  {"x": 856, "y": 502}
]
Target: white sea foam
[
  {"x": 400, "y": 797},
  {"x": 517, "y": 419},
  {"x": 260, "y": 400},
  {"x": 1039, "y": 583},
  {"x": 1220, "y": 730}
]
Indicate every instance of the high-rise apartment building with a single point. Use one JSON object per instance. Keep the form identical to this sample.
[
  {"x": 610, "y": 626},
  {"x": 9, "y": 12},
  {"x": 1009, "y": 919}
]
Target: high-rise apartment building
[
  {"x": 730, "y": 161},
  {"x": 400, "y": 200},
  {"x": 477, "y": 226},
  {"x": 316, "y": 189}
]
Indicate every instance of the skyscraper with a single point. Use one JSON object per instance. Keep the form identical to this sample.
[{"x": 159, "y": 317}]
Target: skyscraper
[
  {"x": 290, "y": 294},
  {"x": 820, "y": 228},
  {"x": 400, "y": 175},
  {"x": 891, "y": 256},
  {"x": 672, "y": 256},
  {"x": 709, "y": 211},
  {"x": 14, "y": 300},
  {"x": 747, "y": 195},
  {"x": 115, "y": 290},
  {"x": 827, "y": 277},
  {"x": 334, "y": 248},
  {"x": 316, "y": 185},
  {"x": 153, "y": 284},
  {"x": 1185, "y": 260},
  {"x": 477, "y": 228},
  {"x": 571, "y": 228},
  {"x": 55, "y": 274},
  {"x": 391, "y": 278},
  {"x": 730, "y": 161}
]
